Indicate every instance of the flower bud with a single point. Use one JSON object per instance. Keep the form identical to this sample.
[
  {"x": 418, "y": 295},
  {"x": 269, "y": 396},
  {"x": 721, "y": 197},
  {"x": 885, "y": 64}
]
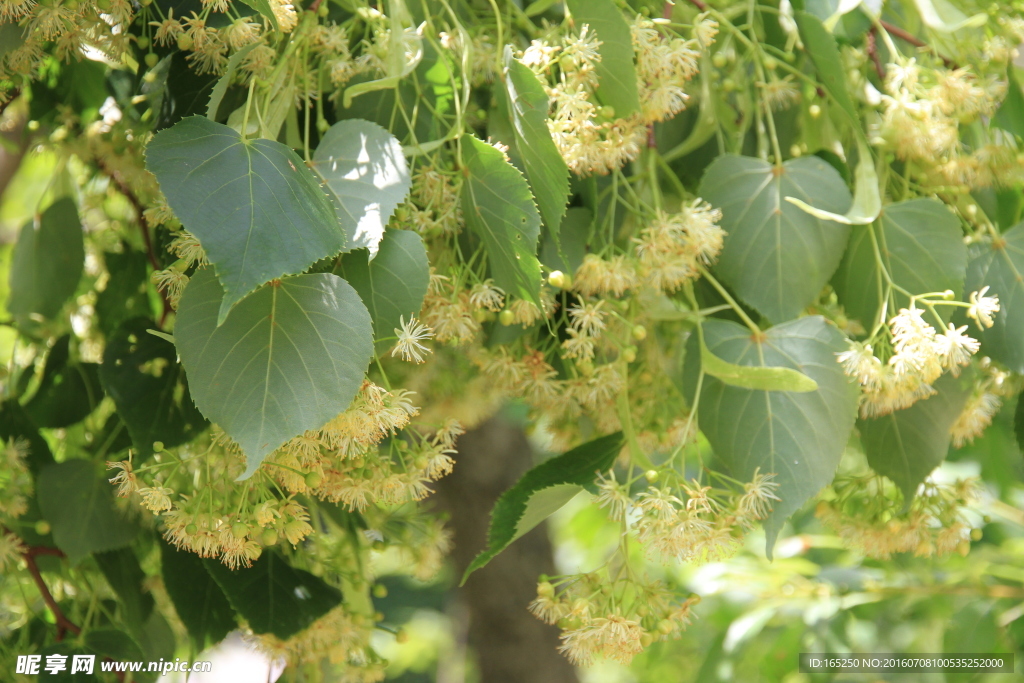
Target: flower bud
[
  {"x": 314, "y": 479},
  {"x": 545, "y": 590},
  {"x": 380, "y": 591},
  {"x": 506, "y": 317},
  {"x": 558, "y": 279},
  {"x": 269, "y": 537},
  {"x": 639, "y": 332},
  {"x": 651, "y": 476},
  {"x": 42, "y": 527},
  {"x": 239, "y": 530}
]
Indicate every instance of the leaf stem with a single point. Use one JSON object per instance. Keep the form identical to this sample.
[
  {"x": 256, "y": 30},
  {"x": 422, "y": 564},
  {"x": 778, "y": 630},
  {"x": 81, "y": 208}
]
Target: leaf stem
[{"x": 732, "y": 302}]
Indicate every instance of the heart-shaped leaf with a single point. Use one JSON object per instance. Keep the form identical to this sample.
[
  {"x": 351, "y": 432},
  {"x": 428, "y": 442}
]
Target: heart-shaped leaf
[
  {"x": 365, "y": 174},
  {"x": 255, "y": 207},
  {"x": 920, "y": 244},
  {"x": 908, "y": 444},
  {"x": 542, "y": 491},
  {"x": 289, "y": 357},
  {"x": 392, "y": 285},
  {"x": 777, "y": 257},
  {"x": 1000, "y": 265},
  {"x": 499, "y": 208},
  {"x": 798, "y": 437},
  {"x": 47, "y": 262}
]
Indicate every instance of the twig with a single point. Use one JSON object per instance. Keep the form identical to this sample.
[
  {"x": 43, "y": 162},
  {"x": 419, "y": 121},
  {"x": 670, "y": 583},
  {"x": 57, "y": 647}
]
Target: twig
[
  {"x": 872, "y": 47},
  {"x": 904, "y": 35},
  {"x": 63, "y": 623},
  {"x": 315, "y": 5}
]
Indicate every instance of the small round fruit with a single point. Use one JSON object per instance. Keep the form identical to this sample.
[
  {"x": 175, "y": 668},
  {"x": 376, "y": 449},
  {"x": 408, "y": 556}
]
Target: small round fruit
[
  {"x": 545, "y": 590},
  {"x": 651, "y": 476},
  {"x": 239, "y": 530},
  {"x": 143, "y": 42},
  {"x": 558, "y": 279},
  {"x": 976, "y": 534},
  {"x": 719, "y": 60},
  {"x": 185, "y": 42},
  {"x": 771, "y": 63},
  {"x": 151, "y": 59},
  {"x": 629, "y": 354},
  {"x": 380, "y": 591},
  {"x": 158, "y": 446},
  {"x": 639, "y": 332},
  {"x": 314, "y": 479},
  {"x": 269, "y": 537},
  {"x": 401, "y": 636},
  {"x": 814, "y": 110},
  {"x": 322, "y": 125},
  {"x": 42, "y": 527},
  {"x": 191, "y": 529},
  {"x": 506, "y": 317},
  {"x": 729, "y": 85}
]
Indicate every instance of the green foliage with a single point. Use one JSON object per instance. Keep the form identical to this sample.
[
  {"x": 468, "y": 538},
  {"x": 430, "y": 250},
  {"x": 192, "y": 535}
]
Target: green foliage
[
  {"x": 198, "y": 600},
  {"x": 253, "y": 204},
  {"x": 799, "y": 437},
  {"x": 1000, "y": 265},
  {"x": 47, "y": 262},
  {"x": 615, "y": 72},
  {"x": 500, "y": 210},
  {"x": 542, "y": 491},
  {"x": 68, "y": 390},
  {"x": 78, "y": 505},
  {"x": 776, "y": 257},
  {"x": 287, "y": 359}
]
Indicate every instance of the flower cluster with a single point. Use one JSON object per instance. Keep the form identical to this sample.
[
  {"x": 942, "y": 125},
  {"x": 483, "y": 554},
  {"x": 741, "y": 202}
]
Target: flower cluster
[
  {"x": 613, "y": 618},
  {"x": 672, "y": 247},
  {"x": 15, "y": 478},
  {"x": 865, "y": 513}
]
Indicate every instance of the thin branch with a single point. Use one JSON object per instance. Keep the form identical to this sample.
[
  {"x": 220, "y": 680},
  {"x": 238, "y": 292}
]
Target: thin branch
[
  {"x": 31, "y": 553},
  {"x": 904, "y": 35},
  {"x": 872, "y": 46}
]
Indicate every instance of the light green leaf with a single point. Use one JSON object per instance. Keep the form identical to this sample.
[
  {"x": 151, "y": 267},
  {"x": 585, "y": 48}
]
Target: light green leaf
[
  {"x": 224, "y": 82},
  {"x": 908, "y": 444},
  {"x": 867, "y": 200},
  {"x": 798, "y": 437},
  {"x": 365, "y": 175},
  {"x": 921, "y": 246},
  {"x": 255, "y": 207},
  {"x": 79, "y": 506},
  {"x": 542, "y": 491},
  {"x": 1010, "y": 115},
  {"x": 777, "y": 257},
  {"x": 545, "y": 168},
  {"x": 1000, "y": 265},
  {"x": 263, "y": 7},
  {"x": 289, "y": 357},
  {"x": 274, "y": 597},
  {"x": 47, "y": 262},
  {"x": 392, "y": 285},
  {"x": 943, "y": 16},
  {"x": 616, "y": 74},
  {"x": 498, "y": 207},
  {"x": 754, "y": 377},
  {"x": 823, "y": 51}
]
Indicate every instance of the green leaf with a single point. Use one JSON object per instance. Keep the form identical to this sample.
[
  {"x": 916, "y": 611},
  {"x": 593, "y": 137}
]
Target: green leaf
[
  {"x": 616, "y": 74},
  {"x": 1010, "y": 115},
  {"x": 263, "y": 7},
  {"x": 47, "y": 262},
  {"x": 142, "y": 375},
  {"x": 754, "y": 377},
  {"x": 799, "y": 437},
  {"x": 943, "y": 16},
  {"x": 393, "y": 284},
  {"x": 908, "y": 444},
  {"x": 67, "y": 392},
  {"x": 255, "y": 207},
  {"x": 1000, "y": 265},
  {"x": 289, "y": 357},
  {"x": 123, "y": 572},
  {"x": 224, "y": 82},
  {"x": 125, "y": 296},
  {"x": 823, "y": 51},
  {"x": 274, "y": 597},
  {"x": 78, "y": 504},
  {"x": 366, "y": 176},
  {"x": 198, "y": 600},
  {"x": 15, "y": 424},
  {"x": 499, "y": 208},
  {"x": 922, "y": 248},
  {"x": 777, "y": 257},
  {"x": 545, "y": 168},
  {"x": 542, "y": 491},
  {"x": 867, "y": 198},
  {"x": 113, "y": 643}
]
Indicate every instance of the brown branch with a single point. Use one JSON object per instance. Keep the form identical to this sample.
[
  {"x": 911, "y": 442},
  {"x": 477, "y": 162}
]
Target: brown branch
[
  {"x": 904, "y": 35},
  {"x": 315, "y": 5},
  {"x": 30, "y": 554},
  {"x": 872, "y": 47},
  {"x": 140, "y": 210}
]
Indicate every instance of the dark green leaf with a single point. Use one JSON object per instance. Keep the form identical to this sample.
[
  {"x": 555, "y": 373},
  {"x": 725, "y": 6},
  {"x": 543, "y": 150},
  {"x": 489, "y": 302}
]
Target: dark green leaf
[
  {"x": 1000, "y": 265},
  {"x": 542, "y": 491},
  {"x": 124, "y": 574},
  {"x": 616, "y": 74},
  {"x": 15, "y": 424},
  {"x": 255, "y": 207},
  {"x": 67, "y": 392},
  {"x": 366, "y": 176},
  {"x": 545, "y": 168},
  {"x": 777, "y": 257},
  {"x": 47, "y": 262},
  {"x": 289, "y": 357},
  {"x": 908, "y": 444},
  {"x": 200, "y": 603},
  {"x": 217, "y": 96},
  {"x": 499, "y": 208},
  {"x": 798, "y": 437},
  {"x": 823, "y": 51},
  {"x": 142, "y": 375},
  {"x": 1010, "y": 115},
  {"x": 922, "y": 248},
  {"x": 574, "y": 234},
  {"x": 78, "y": 504},
  {"x": 110, "y": 642},
  {"x": 274, "y": 597},
  {"x": 394, "y": 283},
  {"x": 263, "y": 7},
  {"x": 125, "y": 295}
]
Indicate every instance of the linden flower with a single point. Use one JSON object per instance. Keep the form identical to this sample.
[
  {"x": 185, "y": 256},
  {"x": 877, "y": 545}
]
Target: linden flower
[
  {"x": 955, "y": 348},
  {"x": 125, "y": 479},
  {"x": 982, "y": 307},
  {"x": 757, "y": 500},
  {"x": 486, "y": 295},
  {"x": 156, "y": 499},
  {"x": 588, "y": 318},
  {"x": 409, "y": 337},
  {"x": 11, "y": 550}
]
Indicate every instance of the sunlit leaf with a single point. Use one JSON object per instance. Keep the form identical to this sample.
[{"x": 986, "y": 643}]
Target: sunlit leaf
[
  {"x": 47, "y": 262},
  {"x": 1000, "y": 266},
  {"x": 616, "y": 74}
]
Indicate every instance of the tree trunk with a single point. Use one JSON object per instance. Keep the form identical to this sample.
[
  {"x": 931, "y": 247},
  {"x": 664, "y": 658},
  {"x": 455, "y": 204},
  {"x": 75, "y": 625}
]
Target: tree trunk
[{"x": 510, "y": 645}]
